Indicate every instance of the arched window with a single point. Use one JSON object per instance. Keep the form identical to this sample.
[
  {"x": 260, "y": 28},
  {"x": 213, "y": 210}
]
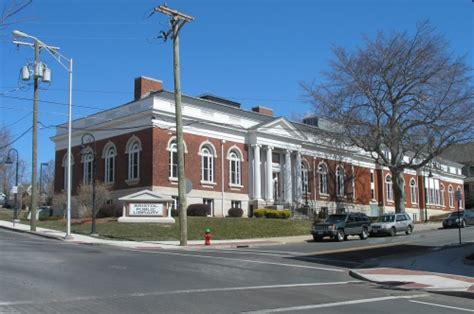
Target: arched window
[
  {"x": 459, "y": 201},
  {"x": 133, "y": 151},
  {"x": 304, "y": 178},
  {"x": 65, "y": 165},
  {"x": 413, "y": 191},
  {"x": 173, "y": 160},
  {"x": 234, "y": 168},
  {"x": 87, "y": 166},
  {"x": 389, "y": 187},
  {"x": 207, "y": 165},
  {"x": 109, "y": 163},
  {"x": 451, "y": 196},
  {"x": 339, "y": 181},
  {"x": 441, "y": 194},
  {"x": 323, "y": 179}
]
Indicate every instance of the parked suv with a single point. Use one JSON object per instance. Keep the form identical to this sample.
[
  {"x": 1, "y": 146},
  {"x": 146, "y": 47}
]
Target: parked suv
[
  {"x": 465, "y": 218},
  {"x": 339, "y": 226},
  {"x": 391, "y": 224}
]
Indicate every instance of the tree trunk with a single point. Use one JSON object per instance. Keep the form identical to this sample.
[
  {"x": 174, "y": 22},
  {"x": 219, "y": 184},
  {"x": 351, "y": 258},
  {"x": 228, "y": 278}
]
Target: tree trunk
[{"x": 398, "y": 190}]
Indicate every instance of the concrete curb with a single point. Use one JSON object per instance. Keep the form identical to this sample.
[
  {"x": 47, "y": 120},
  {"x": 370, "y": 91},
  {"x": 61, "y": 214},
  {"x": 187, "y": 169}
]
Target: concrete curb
[
  {"x": 396, "y": 284},
  {"x": 36, "y": 233}
]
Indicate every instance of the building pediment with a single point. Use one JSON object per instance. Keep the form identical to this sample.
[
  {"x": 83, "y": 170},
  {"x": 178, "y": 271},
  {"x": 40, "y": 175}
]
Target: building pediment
[
  {"x": 280, "y": 127},
  {"x": 145, "y": 195}
]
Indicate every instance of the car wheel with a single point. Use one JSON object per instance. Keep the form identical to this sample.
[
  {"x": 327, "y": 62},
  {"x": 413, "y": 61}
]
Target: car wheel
[
  {"x": 340, "y": 235},
  {"x": 317, "y": 238},
  {"x": 364, "y": 234},
  {"x": 409, "y": 230},
  {"x": 393, "y": 232}
]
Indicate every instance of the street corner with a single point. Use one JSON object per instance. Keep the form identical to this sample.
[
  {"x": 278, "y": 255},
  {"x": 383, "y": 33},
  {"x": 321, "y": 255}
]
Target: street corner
[{"x": 406, "y": 279}]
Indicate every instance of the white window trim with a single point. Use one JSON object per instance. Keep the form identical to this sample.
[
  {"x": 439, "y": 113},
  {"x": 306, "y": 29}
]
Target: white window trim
[
  {"x": 171, "y": 160},
  {"x": 450, "y": 196},
  {"x": 320, "y": 175},
  {"x": 340, "y": 190},
  {"x": 238, "y": 161},
  {"x": 106, "y": 156},
  {"x": 210, "y": 180},
  {"x": 389, "y": 188},
  {"x": 132, "y": 179},
  {"x": 413, "y": 195}
]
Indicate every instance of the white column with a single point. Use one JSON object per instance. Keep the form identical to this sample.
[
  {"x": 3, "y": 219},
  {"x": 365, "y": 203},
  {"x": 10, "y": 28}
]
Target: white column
[
  {"x": 299, "y": 186},
  {"x": 288, "y": 184},
  {"x": 257, "y": 182},
  {"x": 269, "y": 175}
]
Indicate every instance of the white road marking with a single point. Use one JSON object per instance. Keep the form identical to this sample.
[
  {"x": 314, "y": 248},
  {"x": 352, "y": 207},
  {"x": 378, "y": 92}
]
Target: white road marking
[
  {"x": 187, "y": 291},
  {"x": 444, "y": 306},
  {"x": 334, "y": 304},
  {"x": 339, "y": 270}
]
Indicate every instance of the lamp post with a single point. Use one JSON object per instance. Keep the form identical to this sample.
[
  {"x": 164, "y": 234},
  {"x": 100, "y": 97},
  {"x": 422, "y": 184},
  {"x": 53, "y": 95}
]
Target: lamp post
[
  {"x": 53, "y": 51},
  {"x": 41, "y": 180},
  {"x": 9, "y": 161},
  {"x": 93, "y": 155}
]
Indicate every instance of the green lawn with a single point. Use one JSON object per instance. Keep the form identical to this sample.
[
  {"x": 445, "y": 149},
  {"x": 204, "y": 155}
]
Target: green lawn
[{"x": 221, "y": 228}]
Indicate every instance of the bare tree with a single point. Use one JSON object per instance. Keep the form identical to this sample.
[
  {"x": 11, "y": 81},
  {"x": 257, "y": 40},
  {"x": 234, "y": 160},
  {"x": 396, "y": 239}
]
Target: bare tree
[
  {"x": 84, "y": 197},
  {"x": 401, "y": 98},
  {"x": 10, "y": 9},
  {"x": 47, "y": 183}
]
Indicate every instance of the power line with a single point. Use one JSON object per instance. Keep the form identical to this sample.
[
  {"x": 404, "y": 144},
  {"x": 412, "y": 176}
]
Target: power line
[
  {"x": 17, "y": 138},
  {"x": 21, "y": 119}
]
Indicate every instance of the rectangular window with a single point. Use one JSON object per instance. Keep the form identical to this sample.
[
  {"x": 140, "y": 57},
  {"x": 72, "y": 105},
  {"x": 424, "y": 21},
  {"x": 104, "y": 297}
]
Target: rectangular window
[
  {"x": 236, "y": 204},
  {"x": 372, "y": 176},
  {"x": 210, "y": 203}
]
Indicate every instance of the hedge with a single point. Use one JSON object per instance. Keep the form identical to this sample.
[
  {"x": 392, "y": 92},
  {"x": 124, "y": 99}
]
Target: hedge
[
  {"x": 272, "y": 213},
  {"x": 198, "y": 210},
  {"x": 235, "y": 212}
]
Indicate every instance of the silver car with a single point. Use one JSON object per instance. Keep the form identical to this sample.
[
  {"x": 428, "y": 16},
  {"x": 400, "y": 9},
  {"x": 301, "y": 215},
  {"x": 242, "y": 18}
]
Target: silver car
[{"x": 391, "y": 224}]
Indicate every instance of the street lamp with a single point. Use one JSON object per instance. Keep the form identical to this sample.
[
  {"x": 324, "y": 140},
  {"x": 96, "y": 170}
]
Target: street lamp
[
  {"x": 93, "y": 155},
  {"x": 53, "y": 51},
  {"x": 9, "y": 161}
]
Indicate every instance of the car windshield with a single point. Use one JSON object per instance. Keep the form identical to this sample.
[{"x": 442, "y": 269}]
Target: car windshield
[
  {"x": 386, "y": 218},
  {"x": 336, "y": 218},
  {"x": 456, "y": 214}
]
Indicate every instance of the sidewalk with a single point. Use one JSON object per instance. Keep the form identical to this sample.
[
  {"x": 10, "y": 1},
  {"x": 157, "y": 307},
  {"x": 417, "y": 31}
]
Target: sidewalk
[
  {"x": 84, "y": 239},
  {"x": 444, "y": 271}
]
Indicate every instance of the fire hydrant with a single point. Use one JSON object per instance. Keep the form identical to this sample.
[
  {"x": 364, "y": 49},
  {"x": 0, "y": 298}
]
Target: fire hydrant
[{"x": 207, "y": 237}]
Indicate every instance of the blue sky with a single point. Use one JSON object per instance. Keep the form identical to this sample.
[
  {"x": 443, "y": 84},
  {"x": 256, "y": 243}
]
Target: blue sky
[{"x": 254, "y": 52}]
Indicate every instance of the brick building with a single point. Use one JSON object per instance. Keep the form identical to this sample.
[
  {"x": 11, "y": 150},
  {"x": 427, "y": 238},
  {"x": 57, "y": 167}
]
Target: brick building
[{"x": 240, "y": 158}]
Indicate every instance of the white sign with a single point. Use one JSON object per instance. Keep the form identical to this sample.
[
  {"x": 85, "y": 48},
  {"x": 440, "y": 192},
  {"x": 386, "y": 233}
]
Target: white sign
[
  {"x": 14, "y": 189},
  {"x": 146, "y": 209}
]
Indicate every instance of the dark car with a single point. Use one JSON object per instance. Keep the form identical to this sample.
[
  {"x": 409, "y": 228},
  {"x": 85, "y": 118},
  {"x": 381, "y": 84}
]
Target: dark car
[
  {"x": 462, "y": 218},
  {"x": 339, "y": 226}
]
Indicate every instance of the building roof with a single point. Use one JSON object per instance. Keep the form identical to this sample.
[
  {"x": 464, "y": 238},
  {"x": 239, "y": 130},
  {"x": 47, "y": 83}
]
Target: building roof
[{"x": 461, "y": 153}]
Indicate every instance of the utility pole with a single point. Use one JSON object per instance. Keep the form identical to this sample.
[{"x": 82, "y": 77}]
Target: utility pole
[
  {"x": 177, "y": 21},
  {"x": 37, "y": 74}
]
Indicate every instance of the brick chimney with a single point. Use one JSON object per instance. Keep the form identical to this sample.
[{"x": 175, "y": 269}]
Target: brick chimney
[
  {"x": 145, "y": 85},
  {"x": 263, "y": 110}
]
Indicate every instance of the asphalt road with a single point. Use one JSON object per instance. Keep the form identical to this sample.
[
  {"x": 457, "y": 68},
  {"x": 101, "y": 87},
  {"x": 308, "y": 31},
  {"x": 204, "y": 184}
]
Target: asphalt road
[{"x": 39, "y": 275}]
